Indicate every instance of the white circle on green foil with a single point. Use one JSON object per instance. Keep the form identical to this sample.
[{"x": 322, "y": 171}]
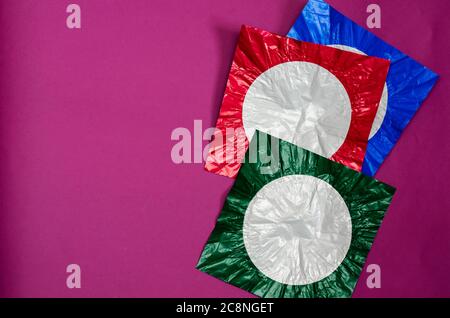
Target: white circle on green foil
[
  {"x": 299, "y": 102},
  {"x": 297, "y": 230}
]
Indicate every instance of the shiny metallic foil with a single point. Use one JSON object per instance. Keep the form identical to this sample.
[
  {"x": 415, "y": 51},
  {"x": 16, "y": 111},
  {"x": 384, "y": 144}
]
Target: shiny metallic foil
[
  {"x": 298, "y": 225},
  {"x": 320, "y": 98},
  {"x": 407, "y": 85}
]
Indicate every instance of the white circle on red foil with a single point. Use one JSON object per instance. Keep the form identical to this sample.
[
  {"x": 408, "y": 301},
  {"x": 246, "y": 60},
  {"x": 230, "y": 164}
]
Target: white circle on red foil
[
  {"x": 382, "y": 108},
  {"x": 299, "y": 102},
  {"x": 297, "y": 230}
]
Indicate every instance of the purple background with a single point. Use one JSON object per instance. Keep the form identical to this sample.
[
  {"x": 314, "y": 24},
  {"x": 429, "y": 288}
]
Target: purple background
[{"x": 86, "y": 116}]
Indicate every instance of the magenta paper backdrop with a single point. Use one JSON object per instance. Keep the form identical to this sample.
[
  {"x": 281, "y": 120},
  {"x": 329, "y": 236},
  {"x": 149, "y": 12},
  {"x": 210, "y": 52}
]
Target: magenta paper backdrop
[{"x": 86, "y": 175}]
